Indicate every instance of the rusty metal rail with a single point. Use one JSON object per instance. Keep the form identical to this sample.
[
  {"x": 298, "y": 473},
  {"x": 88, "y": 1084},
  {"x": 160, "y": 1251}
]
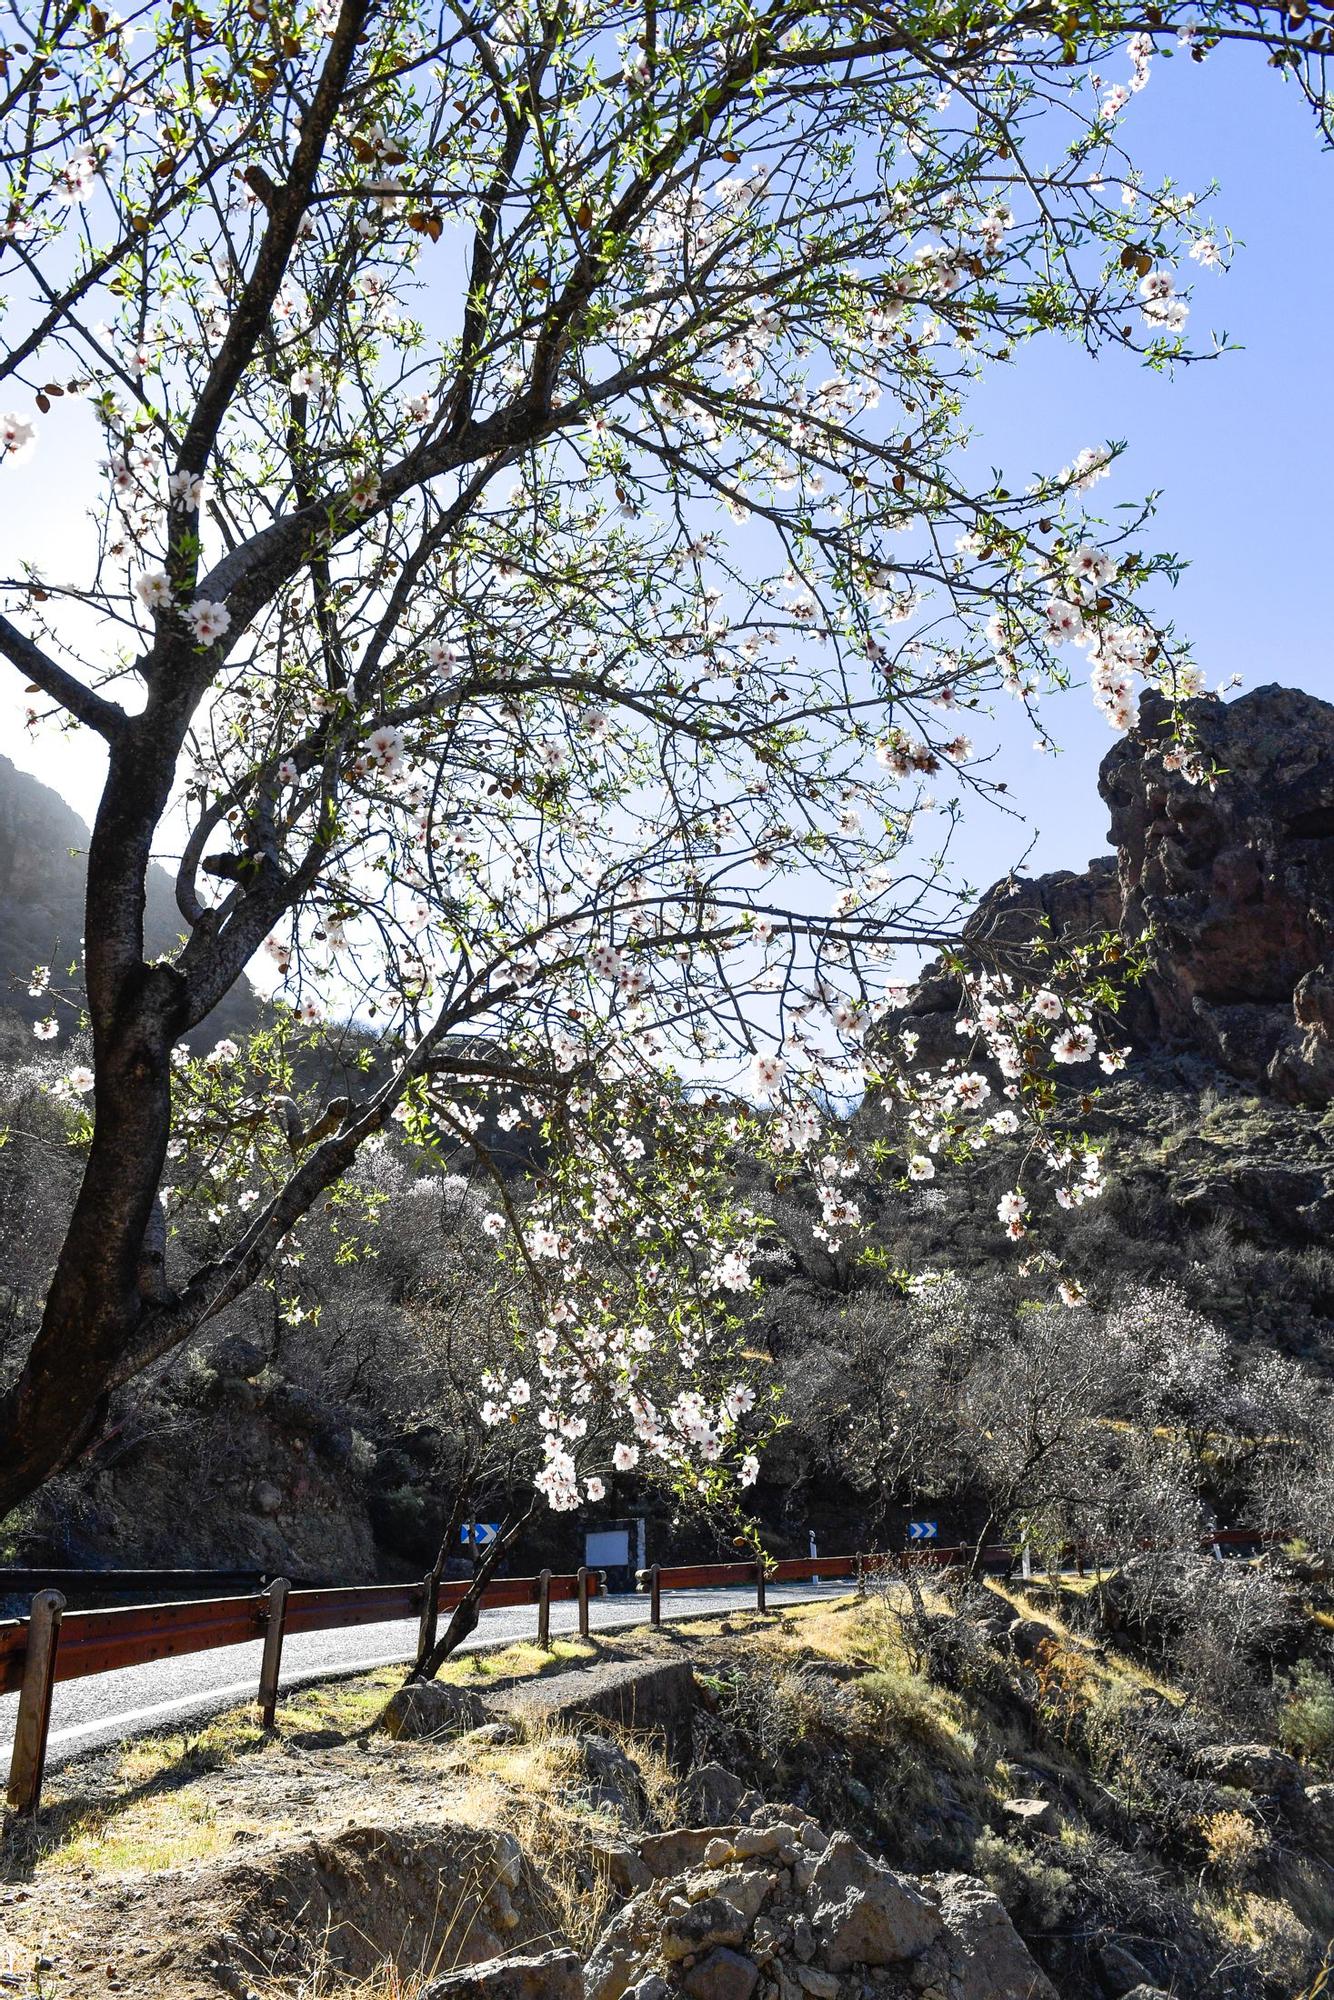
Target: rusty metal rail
[{"x": 54, "y": 1644}]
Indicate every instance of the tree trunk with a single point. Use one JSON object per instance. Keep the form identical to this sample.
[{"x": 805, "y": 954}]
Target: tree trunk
[
  {"x": 467, "y": 1612},
  {"x": 95, "y": 1302}
]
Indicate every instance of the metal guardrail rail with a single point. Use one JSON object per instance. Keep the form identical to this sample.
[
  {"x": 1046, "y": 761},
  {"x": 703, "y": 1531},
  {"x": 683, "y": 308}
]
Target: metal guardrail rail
[{"x": 53, "y": 1644}]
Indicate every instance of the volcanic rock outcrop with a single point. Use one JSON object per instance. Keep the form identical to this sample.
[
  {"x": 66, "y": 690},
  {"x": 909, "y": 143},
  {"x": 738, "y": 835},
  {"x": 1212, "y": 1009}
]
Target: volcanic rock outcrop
[{"x": 1233, "y": 880}]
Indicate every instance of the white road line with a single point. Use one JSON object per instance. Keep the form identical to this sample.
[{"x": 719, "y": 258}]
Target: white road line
[
  {"x": 611, "y": 1616},
  {"x": 133, "y": 1718}
]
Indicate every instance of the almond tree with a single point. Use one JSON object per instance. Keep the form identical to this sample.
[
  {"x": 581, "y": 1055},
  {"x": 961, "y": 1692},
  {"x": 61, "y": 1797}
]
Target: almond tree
[{"x": 531, "y": 588}]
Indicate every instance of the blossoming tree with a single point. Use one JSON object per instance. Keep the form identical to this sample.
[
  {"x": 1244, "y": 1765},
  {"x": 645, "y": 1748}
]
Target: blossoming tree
[{"x": 532, "y": 591}]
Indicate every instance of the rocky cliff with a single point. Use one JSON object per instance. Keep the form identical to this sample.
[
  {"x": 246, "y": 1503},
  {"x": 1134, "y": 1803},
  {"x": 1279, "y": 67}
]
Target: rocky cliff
[{"x": 1233, "y": 880}]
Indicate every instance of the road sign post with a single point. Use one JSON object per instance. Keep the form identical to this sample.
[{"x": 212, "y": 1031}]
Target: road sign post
[{"x": 32, "y": 1724}]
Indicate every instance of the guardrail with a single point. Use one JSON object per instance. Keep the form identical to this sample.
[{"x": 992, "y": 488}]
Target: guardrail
[{"x": 54, "y": 1644}]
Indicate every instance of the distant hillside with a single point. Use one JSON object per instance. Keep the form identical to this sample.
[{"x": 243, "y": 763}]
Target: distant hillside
[{"x": 43, "y": 859}]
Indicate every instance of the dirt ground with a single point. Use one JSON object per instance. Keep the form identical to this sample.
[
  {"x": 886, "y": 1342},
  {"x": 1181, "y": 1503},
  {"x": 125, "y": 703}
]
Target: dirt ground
[{"x": 188, "y": 1865}]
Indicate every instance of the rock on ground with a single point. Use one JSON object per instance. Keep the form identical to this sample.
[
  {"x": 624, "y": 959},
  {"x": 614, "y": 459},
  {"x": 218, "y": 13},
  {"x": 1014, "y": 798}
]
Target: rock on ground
[
  {"x": 556, "y": 1975},
  {"x": 430, "y": 1708},
  {"x": 779, "y": 1910}
]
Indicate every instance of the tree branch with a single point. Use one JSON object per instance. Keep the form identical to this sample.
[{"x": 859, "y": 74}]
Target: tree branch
[{"x": 106, "y": 717}]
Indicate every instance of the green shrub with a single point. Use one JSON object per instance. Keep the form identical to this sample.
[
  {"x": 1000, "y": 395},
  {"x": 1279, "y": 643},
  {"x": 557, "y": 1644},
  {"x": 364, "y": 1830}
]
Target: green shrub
[{"x": 1306, "y": 1719}]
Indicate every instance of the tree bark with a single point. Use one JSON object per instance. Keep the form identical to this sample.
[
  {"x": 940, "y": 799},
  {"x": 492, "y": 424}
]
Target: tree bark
[
  {"x": 468, "y": 1611},
  {"x": 95, "y": 1302}
]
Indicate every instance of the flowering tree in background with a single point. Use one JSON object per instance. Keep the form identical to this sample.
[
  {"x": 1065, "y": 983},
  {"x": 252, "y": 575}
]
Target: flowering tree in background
[{"x": 533, "y": 591}]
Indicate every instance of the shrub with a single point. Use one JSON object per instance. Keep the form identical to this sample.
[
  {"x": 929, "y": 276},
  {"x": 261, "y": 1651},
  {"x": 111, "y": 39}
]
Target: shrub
[
  {"x": 1039, "y": 1894},
  {"x": 1306, "y": 1720},
  {"x": 1232, "y": 1844}
]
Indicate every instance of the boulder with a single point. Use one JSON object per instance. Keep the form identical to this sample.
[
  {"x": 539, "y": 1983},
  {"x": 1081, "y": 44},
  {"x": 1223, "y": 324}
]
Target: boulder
[
  {"x": 555, "y": 1975},
  {"x": 1250, "y": 1767},
  {"x": 864, "y": 1915},
  {"x": 699, "y": 1927},
  {"x": 1027, "y": 1638},
  {"x": 987, "y": 1957},
  {"x": 621, "y": 1865},
  {"x": 1119, "y": 1969},
  {"x": 1031, "y": 1815},
  {"x": 715, "y": 1795},
  {"x": 723, "y": 1975},
  {"x": 430, "y": 1708}
]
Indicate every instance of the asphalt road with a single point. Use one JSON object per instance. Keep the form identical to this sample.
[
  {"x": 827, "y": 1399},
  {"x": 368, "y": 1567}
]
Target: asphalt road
[{"x": 172, "y": 1694}]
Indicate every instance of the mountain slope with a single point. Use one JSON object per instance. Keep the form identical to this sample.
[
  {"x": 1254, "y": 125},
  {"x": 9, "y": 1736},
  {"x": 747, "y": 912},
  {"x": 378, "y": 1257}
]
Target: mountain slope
[{"x": 43, "y": 858}]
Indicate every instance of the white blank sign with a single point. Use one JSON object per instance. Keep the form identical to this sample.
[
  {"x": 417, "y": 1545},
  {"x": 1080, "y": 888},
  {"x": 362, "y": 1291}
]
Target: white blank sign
[{"x": 607, "y": 1549}]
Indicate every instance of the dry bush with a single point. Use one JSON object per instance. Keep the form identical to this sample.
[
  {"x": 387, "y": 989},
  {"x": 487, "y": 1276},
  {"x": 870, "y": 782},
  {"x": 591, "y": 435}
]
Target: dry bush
[{"x": 1233, "y": 1844}]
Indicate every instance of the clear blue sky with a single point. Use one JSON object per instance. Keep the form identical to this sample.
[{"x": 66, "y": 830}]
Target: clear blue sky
[{"x": 1242, "y": 447}]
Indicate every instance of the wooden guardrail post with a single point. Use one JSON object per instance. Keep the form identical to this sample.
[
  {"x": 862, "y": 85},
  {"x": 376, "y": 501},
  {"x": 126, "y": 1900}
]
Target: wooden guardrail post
[
  {"x": 275, "y": 1622},
  {"x": 583, "y": 1601},
  {"x": 544, "y": 1609},
  {"x": 861, "y": 1578},
  {"x": 655, "y": 1595},
  {"x": 430, "y": 1618},
  {"x": 761, "y": 1603},
  {"x": 33, "y": 1722}
]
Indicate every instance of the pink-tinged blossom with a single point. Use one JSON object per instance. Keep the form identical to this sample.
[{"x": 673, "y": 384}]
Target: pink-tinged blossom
[
  {"x": 17, "y": 435},
  {"x": 605, "y": 961},
  {"x": 1076, "y": 1045},
  {"x": 47, "y": 1030},
  {"x": 387, "y": 749},
  {"x": 749, "y": 1470},
  {"x": 153, "y": 589},
  {"x": 80, "y": 1081},
  {"x": 78, "y": 176},
  {"x": 767, "y": 1073},
  {"x": 595, "y": 1488},
  {"x": 186, "y": 490},
  {"x": 1093, "y": 566},
  {"x": 625, "y": 1457},
  {"x": 208, "y": 621},
  {"x": 739, "y": 1399},
  {"x": 921, "y": 1168}
]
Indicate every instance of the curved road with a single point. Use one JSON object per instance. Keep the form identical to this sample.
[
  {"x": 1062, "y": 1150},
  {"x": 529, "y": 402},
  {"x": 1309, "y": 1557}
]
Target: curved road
[{"x": 165, "y": 1694}]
